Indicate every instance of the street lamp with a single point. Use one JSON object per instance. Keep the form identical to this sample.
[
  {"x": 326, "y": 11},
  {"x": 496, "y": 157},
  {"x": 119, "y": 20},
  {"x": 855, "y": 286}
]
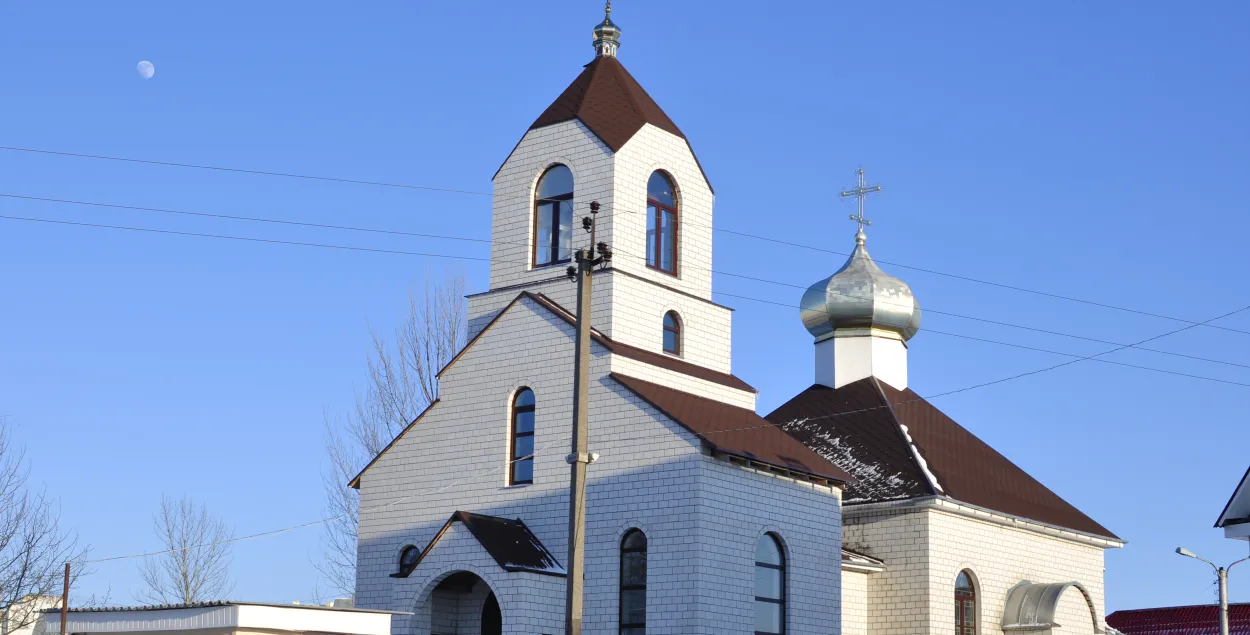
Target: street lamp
[{"x": 1222, "y": 574}]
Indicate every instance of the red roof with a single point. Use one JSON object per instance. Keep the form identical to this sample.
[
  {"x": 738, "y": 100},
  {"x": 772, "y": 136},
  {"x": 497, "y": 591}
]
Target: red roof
[{"x": 1181, "y": 620}]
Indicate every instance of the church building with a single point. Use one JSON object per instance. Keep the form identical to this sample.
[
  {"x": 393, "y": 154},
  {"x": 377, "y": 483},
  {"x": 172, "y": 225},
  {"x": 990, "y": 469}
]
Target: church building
[{"x": 855, "y": 508}]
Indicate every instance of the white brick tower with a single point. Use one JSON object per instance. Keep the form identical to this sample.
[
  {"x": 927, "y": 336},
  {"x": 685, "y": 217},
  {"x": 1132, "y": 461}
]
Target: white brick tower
[{"x": 613, "y": 138}]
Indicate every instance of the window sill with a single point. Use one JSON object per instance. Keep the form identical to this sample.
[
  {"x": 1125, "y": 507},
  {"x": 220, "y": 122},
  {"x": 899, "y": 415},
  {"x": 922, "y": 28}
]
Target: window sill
[
  {"x": 671, "y": 274},
  {"x": 518, "y": 486}
]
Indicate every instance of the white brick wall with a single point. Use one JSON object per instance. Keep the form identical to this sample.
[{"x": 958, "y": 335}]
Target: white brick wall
[
  {"x": 854, "y": 603},
  {"x": 925, "y": 548},
  {"x": 702, "y": 515}
]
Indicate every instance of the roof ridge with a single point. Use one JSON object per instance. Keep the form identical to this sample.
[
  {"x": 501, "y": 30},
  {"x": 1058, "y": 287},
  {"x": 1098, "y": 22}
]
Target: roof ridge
[{"x": 913, "y": 452}]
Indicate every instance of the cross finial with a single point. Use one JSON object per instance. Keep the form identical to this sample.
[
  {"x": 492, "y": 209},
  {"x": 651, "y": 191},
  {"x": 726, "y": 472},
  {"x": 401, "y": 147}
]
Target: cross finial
[
  {"x": 860, "y": 192},
  {"x": 608, "y": 9}
]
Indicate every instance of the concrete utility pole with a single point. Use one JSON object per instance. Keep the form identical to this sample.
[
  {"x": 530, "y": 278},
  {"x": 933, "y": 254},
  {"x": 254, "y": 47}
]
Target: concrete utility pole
[
  {"x": 1221, "y": 574},
  {"x": 580, "y": 457}
]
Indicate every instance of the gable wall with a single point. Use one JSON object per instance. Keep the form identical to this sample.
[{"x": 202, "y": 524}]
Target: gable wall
[
  {"x": 925, "y": 549},
  {"x": 1003, "y": 556}
]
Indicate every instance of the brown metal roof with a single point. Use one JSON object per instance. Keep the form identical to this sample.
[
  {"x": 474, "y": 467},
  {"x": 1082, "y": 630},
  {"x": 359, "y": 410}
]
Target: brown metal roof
[
  {"x": 734, "y": 431},
  {"x": 859, "y": 428},
  {"x": 612, "y": 104}
]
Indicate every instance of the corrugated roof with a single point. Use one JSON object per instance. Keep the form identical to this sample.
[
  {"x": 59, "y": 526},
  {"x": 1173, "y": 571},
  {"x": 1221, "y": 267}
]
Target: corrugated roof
[
  {"x": 898, "y": 446},
  {"x": 211, "y": 604},
  {"x": 1181, "y": 620},
  {"x": 734, "y": 431}
]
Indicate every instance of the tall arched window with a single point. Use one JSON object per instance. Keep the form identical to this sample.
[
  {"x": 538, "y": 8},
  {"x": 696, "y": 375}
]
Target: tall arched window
[
  {"x": 634, "y": 583},
  {"x": 661, "y": 224},
  {"x": 770, "y": 587},
  {"x": 553, "y": 217},
  {"x": 965, "y": 605},
  {"x": 521, "y": 460},
  {"x": 672, "y": 333}
]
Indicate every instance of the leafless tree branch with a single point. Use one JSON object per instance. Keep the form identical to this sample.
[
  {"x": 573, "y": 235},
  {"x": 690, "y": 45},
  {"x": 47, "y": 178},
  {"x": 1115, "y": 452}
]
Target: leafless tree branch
[
  {"x": 402, "y": 383},
  {"x": 33, "y": 549},
  {"x": 196, "y": 567}
]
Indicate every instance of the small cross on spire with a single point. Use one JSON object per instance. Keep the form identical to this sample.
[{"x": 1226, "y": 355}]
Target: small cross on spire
[{"x": 860, "y": 192}]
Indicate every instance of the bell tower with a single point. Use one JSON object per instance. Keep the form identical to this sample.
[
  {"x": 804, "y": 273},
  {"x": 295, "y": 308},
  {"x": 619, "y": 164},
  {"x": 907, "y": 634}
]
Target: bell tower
[{"x": 605, "y": 139}]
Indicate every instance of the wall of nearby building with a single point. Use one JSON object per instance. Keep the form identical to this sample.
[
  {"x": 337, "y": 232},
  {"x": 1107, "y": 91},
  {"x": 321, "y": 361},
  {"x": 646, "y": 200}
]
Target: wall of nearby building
[
  {"x": 898, "y": 598},
  {"x": 854, "y": 603},
  {"x": 700, "y": 514}
]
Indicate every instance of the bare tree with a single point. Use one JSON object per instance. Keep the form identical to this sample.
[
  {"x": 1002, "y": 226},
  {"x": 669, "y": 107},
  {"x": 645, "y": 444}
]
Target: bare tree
[
  {"x": 33, "y": 549},
  {"x": 401, "y": 384},
  {"x": 196, "y": 565}
]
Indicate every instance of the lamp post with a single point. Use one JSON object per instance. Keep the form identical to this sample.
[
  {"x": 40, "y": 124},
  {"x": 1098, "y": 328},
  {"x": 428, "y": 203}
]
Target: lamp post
[{"x": 1221, "y": 573}]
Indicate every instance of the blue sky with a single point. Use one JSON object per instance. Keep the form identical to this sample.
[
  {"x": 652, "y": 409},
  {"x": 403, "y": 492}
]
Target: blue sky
[{"x": 1095, "y": 151}]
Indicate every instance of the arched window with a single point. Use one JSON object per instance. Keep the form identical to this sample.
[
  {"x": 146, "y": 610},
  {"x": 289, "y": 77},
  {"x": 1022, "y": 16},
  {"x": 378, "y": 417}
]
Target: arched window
[
  {"x": 672, "y": 333},
  {"x": 965, "y": 605},
  {"x": 553, "y": 217},
  {"x": 408, "y": 557},
  {"x": 634, "y": 583},
  {"x": 661, "y": 224},
  {"x": 770, "y": 587},
  {"x": 521, "y": 460}
]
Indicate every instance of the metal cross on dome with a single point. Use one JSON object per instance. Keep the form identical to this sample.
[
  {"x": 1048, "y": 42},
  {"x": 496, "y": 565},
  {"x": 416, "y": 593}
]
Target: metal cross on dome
[{"x": 861, "y": 191}]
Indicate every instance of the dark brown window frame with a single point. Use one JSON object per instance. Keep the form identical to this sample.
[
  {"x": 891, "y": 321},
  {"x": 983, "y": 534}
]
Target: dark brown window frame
[
  {"x": 514, "y": 435},
  {"x": 555, "y": 221},
  {"x": 660, "y": 208},
  {"x": 676, "y": 331},
  {"x": 961, "y": 598},
  {"x": 620, "y": 619},
  {"x": 782, "y": 568}
]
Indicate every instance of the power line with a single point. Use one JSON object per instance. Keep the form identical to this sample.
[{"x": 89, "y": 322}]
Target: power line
[
  {"x": 1041, "y": 350},
  {"x": 242, "y": 238},
  {"x": 627, "y": 253},
  {"x": 1000, "y": 285},
  {"x": 288, "y": 175}
]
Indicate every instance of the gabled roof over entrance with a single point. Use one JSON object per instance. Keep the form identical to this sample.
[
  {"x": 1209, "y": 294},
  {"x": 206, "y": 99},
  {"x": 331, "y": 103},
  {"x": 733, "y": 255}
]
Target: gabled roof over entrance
[
  {"x": 733, "y": 431},
  {"x": 898, "y": 446},
  {"x": 509, "y": 542}
]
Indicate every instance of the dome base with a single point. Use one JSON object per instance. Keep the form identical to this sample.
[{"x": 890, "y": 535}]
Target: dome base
[{"x": 855, "y": 354}]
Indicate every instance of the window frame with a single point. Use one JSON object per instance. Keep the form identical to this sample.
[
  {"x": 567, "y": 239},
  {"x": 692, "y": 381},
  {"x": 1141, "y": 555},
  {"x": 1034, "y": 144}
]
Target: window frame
[
  {"x": 622, "y": 627},
  {"x": 513, "y": 435},
  {"x": 660, "y": 208},
  {"x": 781, "y": 551},
  {"x": 555, "y": 219},
  {"x": 962, "y": 599},
  {"x": 675, "y": 330}
]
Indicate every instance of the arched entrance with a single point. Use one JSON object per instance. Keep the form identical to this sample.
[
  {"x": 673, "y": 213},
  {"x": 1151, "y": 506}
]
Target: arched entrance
[{"x": 462, "y": 604}]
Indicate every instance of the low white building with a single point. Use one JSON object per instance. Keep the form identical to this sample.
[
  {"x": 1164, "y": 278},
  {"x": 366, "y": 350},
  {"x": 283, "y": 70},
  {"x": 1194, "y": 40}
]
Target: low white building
[
  {"x": 217, "y": 618},
  {"x": 1235, "y": 519}
]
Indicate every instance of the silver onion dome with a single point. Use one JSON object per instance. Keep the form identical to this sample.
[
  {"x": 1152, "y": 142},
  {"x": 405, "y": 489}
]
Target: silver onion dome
[
  {"x": 607, "y": 34},
  {"x": 860, "y": 295}
]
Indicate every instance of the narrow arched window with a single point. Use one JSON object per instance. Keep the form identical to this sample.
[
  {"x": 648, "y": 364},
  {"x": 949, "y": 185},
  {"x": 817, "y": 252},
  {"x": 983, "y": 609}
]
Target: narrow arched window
[
  {"x": 965, "y": 605},
  {"x": 521, "y": 460},
  {"x": 553, "y": 217},
  {"x": 408, "y": 557},
  {"x": 770, "y": 587},
  {"x": 672, "y": 333},
  {"x": 634, "y": 583},
  {"x": 661, "y": 224}
]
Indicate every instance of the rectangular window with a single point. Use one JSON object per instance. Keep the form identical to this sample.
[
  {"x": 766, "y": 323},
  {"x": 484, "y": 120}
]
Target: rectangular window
[
  {"x": 661, "y": 239},
  {"x": 553, "y": 232}
]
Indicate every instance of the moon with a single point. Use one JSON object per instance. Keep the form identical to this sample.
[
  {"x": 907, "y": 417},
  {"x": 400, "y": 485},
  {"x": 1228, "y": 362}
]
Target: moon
[{"x": 146, "y": 69}]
